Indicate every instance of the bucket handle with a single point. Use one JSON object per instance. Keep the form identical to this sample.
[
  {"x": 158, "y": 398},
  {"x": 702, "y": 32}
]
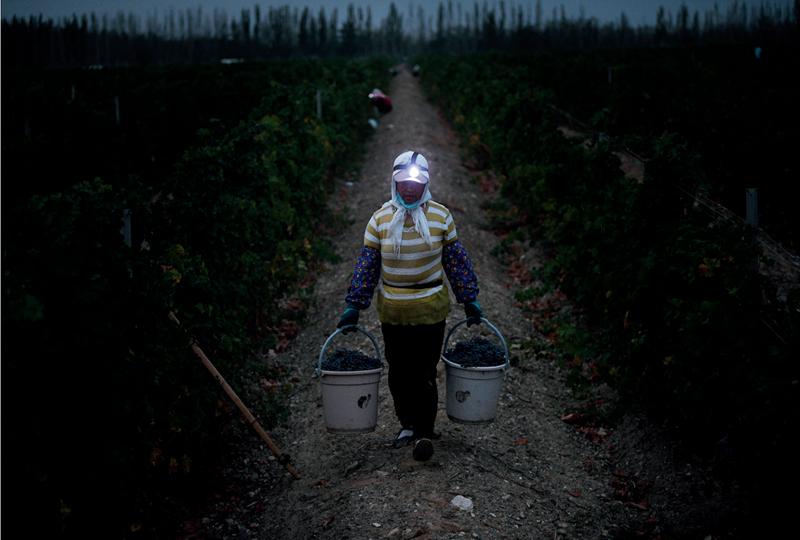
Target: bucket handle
[
  {"x": 493, "y": 328},
  {"x": 318, "y": 370}
]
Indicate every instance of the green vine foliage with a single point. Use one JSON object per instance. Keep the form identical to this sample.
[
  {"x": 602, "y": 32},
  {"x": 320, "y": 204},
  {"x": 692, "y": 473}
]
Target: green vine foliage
[
  {"x": 678, "y": 314},
  {"x": 116, "y": 427}
]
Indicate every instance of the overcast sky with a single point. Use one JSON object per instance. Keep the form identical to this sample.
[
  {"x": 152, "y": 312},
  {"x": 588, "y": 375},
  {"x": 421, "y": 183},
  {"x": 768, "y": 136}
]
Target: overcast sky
[{"x": 638, "y": 11}]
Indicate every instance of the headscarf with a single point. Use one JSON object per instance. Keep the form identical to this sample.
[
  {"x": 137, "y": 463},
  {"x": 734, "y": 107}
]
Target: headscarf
[{"x": 401, "y": 171}]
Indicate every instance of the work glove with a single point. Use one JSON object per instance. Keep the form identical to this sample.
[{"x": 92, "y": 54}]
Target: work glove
[
  {"x": 348, "y": 318},
  {"x": 473, "y": 312}
]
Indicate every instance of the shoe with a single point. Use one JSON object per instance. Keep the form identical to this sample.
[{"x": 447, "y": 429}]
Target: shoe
[
  {"x": 404, "y": 437},
  {"x": 423, "y": 450}
]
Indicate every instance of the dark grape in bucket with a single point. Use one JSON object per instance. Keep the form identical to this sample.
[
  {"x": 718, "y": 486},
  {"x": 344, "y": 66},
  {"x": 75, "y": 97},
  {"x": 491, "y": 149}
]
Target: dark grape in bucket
[
  {"x": 347, "y": 360},
  {"x": 476, "y": 352}
]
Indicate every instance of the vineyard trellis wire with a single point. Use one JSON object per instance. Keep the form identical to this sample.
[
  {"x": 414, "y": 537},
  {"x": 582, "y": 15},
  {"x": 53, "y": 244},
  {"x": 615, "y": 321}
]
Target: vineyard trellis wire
[
  {"x": 790, "y": 263},
  {"x": 676, "y": 314},
  {"x": 222, "y": 230}
]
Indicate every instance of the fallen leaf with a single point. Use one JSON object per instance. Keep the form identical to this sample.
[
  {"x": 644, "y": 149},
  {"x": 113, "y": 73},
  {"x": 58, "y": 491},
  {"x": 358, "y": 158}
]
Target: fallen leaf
[
  {"x": 594, "y": 434},
  {"x": 269, "y": 384},
  {"x": 573, "y": 418}
]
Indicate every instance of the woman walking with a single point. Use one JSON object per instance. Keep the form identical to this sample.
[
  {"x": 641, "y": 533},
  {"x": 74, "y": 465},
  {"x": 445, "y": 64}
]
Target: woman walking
[{"x": 409, "y": 245}]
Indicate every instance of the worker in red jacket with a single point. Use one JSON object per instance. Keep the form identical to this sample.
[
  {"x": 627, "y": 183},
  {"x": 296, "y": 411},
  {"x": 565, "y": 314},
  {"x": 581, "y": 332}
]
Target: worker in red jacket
[{"x": 381, "y": 101}]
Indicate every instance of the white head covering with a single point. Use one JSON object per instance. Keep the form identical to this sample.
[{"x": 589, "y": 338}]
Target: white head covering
[{"x": 409, "y": 166}]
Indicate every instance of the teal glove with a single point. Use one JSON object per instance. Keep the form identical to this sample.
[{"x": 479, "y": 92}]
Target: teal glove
[
  {"x": 348, "y": 318},
  {"x": 473, "y": 312}
]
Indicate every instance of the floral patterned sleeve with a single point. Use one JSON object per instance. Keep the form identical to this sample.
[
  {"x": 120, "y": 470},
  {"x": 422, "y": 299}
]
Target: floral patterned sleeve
[
  {"x": 458, "y": 267},
  {"x": 365, "y": 278}
]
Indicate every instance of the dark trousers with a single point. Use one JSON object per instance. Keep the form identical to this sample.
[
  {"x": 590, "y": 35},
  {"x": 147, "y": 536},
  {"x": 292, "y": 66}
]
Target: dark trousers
[{"x": 412, "y": 352}]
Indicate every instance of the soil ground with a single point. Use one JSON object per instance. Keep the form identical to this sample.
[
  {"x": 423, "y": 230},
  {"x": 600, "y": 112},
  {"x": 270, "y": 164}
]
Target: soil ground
[{"x": 537, "y": 471}]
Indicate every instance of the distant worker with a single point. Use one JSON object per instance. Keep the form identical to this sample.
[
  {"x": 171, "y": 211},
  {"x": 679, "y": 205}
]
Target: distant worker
[
  {"x": 381, "y": 101},
  {"x": 409, "y": 244}
]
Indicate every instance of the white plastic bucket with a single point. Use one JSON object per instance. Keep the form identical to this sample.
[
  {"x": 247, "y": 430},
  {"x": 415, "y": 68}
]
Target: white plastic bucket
[
  {"x": 350, "y": 398},
  {"x": 473, "y": 392}
]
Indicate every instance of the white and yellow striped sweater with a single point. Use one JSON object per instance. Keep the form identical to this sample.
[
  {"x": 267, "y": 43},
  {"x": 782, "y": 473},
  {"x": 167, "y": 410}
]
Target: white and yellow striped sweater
[{"x": 412, "y": 287}]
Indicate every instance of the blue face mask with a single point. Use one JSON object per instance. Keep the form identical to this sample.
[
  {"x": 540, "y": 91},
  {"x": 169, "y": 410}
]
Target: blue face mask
[{"x": 404, "y": 204}]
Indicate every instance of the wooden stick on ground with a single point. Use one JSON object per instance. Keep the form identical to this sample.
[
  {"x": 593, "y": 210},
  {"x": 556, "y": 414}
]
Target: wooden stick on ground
[{"x": 282, "y": 458}]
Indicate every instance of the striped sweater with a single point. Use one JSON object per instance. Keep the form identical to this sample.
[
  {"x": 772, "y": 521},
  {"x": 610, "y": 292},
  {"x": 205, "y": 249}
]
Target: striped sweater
[{"x": 411, "y": 288}]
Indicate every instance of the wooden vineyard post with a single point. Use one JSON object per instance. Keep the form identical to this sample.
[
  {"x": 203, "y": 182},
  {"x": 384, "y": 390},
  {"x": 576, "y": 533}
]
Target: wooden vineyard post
[
  {"x": 751, "y": 206},
  {"x": 282, "y": 458},
  {"x": 117, "y": 117},
  {"x": 127, "y": 236}
]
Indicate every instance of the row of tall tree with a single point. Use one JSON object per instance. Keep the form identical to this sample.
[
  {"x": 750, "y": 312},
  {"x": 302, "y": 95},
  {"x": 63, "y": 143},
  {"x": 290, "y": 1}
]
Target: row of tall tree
[{"x": 194, "y": 35}]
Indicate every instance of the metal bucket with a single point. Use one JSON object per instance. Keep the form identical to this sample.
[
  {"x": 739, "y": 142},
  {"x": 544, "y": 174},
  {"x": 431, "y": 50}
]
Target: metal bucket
[
  {"x": 349, "y": 398},
  {"x": 473, "y": 392}
]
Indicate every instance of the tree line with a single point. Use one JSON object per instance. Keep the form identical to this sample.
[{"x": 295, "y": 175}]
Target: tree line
[{"x": 196, "y": 36}]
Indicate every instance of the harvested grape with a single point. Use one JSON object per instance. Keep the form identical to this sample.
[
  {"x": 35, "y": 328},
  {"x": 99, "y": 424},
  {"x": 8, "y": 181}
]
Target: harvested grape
[
  {"x": 476, "y": 352},
  {"x": 347, "y": 360}
]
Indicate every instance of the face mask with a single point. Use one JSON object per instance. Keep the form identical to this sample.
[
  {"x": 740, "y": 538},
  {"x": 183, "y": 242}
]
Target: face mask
[
  {"x": 409, "y": 191},
  {"x": 406, "y": 205}
]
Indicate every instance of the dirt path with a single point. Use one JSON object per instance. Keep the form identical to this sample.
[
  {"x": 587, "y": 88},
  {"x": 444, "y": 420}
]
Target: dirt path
[{"x": 529, "y": 474}]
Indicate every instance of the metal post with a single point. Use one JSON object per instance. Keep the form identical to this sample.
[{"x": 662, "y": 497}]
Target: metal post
[
  {"x": 116, "y": 109},
  {"x": 319, "y": 104},
  {"x": 751, "y": 201}
]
